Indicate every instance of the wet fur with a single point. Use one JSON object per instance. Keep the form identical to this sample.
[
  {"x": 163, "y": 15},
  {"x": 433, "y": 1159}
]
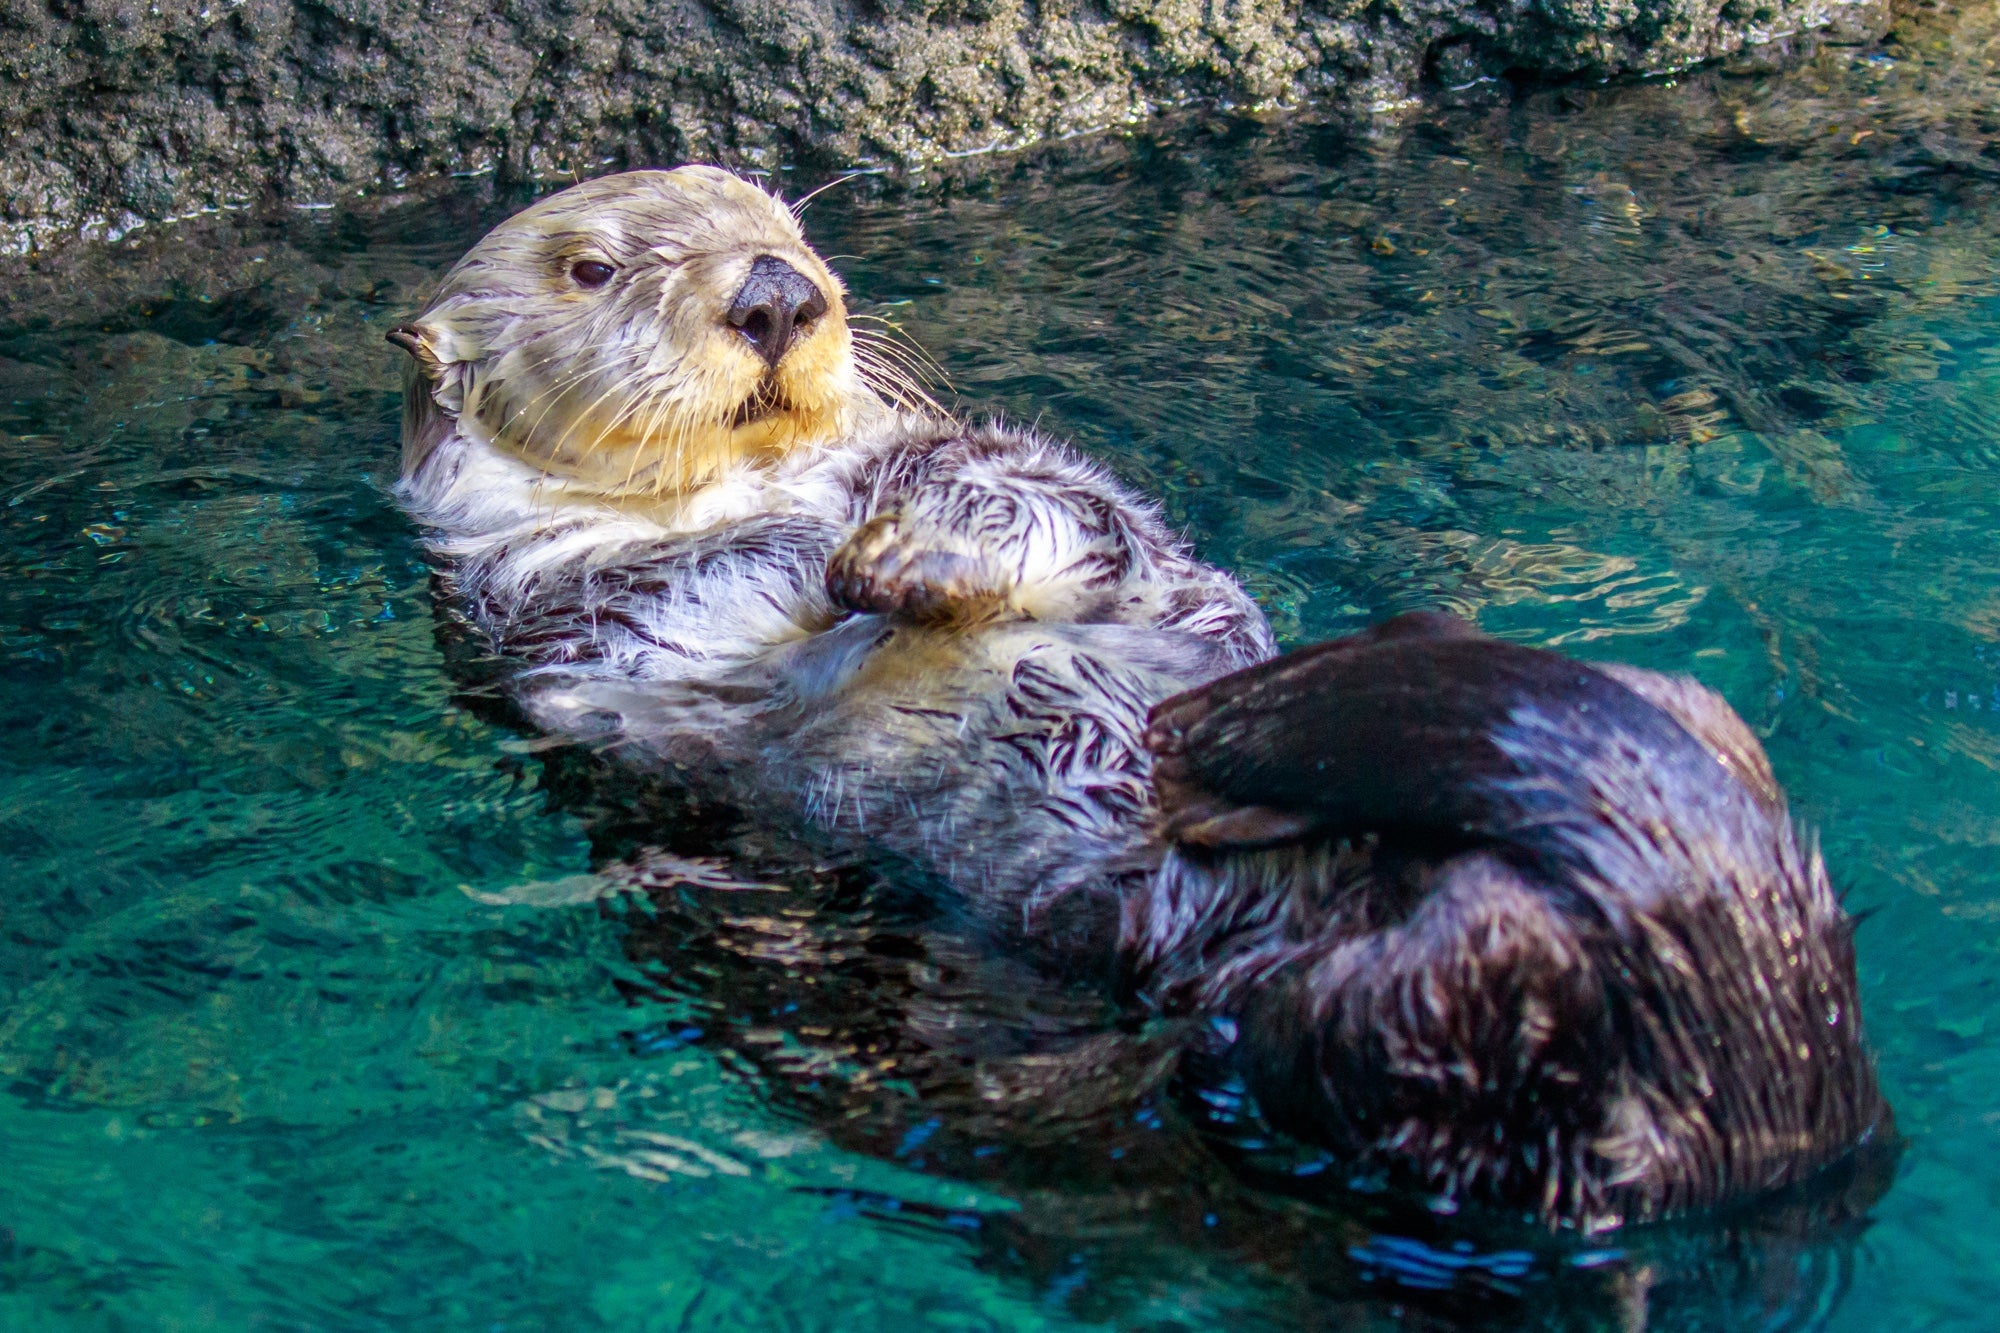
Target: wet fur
[
  {"x": 1560, "y": 958},
  {"x": 1508, "y": 926}
]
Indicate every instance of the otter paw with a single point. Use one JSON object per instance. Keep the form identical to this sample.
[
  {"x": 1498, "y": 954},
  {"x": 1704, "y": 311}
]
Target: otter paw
[{"x": 884, "y": 567}]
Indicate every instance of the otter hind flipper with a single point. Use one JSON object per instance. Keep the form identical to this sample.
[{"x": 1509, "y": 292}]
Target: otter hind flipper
[{"x": 1415, "y": 727}]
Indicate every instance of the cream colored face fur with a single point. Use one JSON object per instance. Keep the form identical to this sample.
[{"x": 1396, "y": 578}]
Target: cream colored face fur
[{"x": 637, "y": 385}]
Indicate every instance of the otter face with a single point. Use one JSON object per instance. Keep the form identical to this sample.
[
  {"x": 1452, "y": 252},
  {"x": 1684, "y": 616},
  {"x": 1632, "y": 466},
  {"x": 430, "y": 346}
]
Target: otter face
[{"x": 635, "y": 335}]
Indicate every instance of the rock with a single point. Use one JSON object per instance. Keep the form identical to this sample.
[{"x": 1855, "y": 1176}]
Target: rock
[{"x": 114, "y": 113}]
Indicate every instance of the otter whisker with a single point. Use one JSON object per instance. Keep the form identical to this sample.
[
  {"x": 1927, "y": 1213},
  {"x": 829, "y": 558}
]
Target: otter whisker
[
  {"x": 887, "y": 354},
  {"x": 919, "y": 364},
  {"x": 669, "y": 461},
  {"x": 555, "y": 393},
  {"x": 798, "y": 209},
  {"x": 617, "y": 386},
  {"x": 653, "y": 405},
  {"x": 717, "y": 422},
  {"x": 651, "y": 409},
  {"x": 670, "y": 426},
  {"x": 671, "y": 465},
  {"x": 895, "y": 335},
  {"x": 647, "y": 433},
  {"x": 560, "y": 386},
  {"x": 630, "y": 364},
  {"x": 897, "y": 393},
  {"x": 910, "y": 356},
  {"x": 892, "y": 382},
  {"x": 889, "y": 365},
  {"x": 877, "y": 373}
]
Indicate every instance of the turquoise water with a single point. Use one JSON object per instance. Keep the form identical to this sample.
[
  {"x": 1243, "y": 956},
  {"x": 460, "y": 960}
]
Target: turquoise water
[{"x": 309, "y": 1019}]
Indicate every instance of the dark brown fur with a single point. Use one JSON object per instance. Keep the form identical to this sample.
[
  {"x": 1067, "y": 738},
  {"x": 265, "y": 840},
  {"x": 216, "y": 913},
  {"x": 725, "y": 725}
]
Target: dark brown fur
[{"x": 1507, "y": 926}]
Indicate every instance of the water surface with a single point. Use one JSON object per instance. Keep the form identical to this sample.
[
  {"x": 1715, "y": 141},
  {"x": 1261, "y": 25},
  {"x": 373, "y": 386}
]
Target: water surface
[{"x": 303, "y": 1024}]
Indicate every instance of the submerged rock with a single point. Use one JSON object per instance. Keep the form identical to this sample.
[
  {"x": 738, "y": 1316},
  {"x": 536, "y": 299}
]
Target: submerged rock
[{"x": 116, "y": 112}]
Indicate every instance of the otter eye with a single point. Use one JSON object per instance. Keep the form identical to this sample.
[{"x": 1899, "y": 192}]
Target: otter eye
[{"x": 591, "y": 272}]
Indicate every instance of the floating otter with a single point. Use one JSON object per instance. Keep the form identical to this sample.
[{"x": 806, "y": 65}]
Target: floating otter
[{"x": 662, "y": 474}]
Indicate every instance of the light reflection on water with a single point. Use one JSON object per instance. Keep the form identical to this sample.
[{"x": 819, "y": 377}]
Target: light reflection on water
[{"x": 1704, "y": 376}]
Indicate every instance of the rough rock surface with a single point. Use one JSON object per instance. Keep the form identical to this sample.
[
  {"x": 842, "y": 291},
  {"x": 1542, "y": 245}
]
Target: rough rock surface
[{"x": 116, "y": 112}]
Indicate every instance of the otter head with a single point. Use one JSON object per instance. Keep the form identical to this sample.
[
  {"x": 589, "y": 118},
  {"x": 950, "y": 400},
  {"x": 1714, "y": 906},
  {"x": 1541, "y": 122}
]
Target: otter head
[{"x": 635, "y": 335}]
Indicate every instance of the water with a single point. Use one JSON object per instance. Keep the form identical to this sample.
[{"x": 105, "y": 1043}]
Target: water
[{"x": 306, "y": 1017}]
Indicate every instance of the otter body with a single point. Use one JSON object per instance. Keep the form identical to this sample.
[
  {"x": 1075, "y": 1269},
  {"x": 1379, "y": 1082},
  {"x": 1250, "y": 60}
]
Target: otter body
[{"x": 1507, "y": 927}]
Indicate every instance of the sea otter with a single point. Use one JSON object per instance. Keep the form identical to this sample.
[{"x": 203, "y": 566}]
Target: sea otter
[{"x": 661, "y": 475}]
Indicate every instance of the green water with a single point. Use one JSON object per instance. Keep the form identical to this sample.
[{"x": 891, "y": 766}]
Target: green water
[{"x": 1704, "y": 376}]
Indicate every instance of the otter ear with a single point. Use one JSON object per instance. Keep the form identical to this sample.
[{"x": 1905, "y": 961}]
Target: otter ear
[
  {"x": 433, "y": 389},
  {"x": 437, "y": 359},
  {"x": 421, "y": 342}
]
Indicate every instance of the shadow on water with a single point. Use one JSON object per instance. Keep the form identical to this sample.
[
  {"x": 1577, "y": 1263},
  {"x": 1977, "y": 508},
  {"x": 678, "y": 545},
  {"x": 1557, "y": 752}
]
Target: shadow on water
[{"x": 1704, "y": 374}]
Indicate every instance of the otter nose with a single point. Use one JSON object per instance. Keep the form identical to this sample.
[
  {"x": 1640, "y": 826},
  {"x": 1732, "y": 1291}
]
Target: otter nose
[{"x": 774, "y": 303}]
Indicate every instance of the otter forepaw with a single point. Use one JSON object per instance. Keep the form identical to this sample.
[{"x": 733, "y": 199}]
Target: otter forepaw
[{"x": 886, "y": 567}]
